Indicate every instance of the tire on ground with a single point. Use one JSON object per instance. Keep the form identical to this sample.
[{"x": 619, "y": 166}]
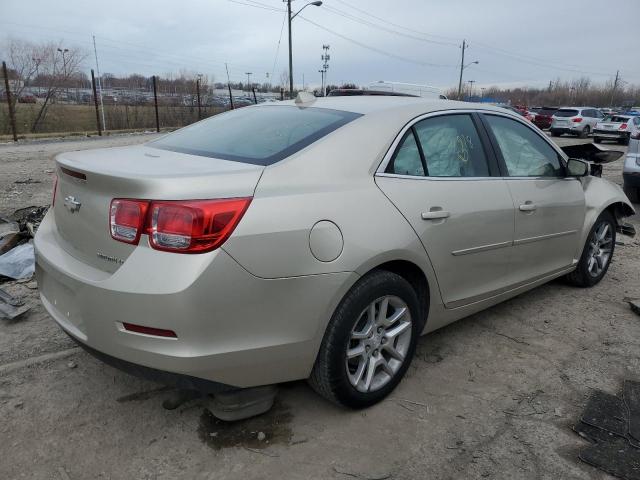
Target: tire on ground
[
  {"x": 581, "y": 277},
  {"x": 329, "y": 375}
]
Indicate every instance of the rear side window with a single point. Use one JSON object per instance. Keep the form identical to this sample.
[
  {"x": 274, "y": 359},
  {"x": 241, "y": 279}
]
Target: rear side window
[
  {"x": 524, "y": 152},
  {"x": 257, "y": 135},
  {"x": 451, "y": 147},
  {"x": 565, "y": 112},
  {"x": 406, "y": 159}
]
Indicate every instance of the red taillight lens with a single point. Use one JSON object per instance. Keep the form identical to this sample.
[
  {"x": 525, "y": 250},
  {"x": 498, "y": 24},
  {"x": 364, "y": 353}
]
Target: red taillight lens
[
  {"x": 55, "y": 187},
  {"x": 191, "y": 226},
  {"x": 623, "y": 126},
  {"x": 577, "y": 120},
  {"x": 127, "y": 219},
  {"x": 194, "y": 226}
]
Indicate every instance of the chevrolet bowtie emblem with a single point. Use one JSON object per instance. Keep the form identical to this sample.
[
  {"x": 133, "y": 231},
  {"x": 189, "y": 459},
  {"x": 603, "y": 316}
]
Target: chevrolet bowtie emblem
[{"x": 72, "y": 204}]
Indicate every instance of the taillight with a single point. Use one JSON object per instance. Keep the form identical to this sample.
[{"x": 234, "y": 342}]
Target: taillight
[
  {"x": 623, "y": 126},
  {"x": 55, "y": 187},
  {"x": 636, "y": 135},
  {"x": 577, "y": 120},
  {"x": 127, "y": 219},
  {"x": 191, "y": 226}
]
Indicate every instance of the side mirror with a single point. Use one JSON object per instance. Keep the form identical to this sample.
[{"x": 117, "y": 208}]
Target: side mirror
[{"x": 577, "y": 168}]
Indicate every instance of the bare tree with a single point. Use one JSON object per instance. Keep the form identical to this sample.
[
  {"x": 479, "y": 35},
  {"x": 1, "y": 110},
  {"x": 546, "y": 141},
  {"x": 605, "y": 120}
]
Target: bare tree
[
  {"x": 57, "y": 66},
  {"x": 24, "y": 59}
]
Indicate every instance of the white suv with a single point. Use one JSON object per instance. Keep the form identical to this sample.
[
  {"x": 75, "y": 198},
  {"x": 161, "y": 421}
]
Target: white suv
[
  {"x": 579, "y": 121},
  {"x": 631, "y": 170}
]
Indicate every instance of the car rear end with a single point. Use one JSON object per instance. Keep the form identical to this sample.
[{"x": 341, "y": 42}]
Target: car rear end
[
  {"x": 615, "y": 127},
  {"x": 567, "y": 120},
  {"x": 544, "y": 118},
  {"x": 130, "y": 261}
]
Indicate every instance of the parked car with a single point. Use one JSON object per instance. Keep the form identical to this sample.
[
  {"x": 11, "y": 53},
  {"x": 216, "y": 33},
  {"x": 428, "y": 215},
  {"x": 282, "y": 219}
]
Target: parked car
[
  {"x": 27, "y": 98},
  {"x": 544, "y": 117},
  {"x": 631, "y": 169},
  {"x": 321, "y": 245},
  {"x": 616, "y": 127},
  {"x": 575, "y": 120},
  {"x": 523, "y": 113}
]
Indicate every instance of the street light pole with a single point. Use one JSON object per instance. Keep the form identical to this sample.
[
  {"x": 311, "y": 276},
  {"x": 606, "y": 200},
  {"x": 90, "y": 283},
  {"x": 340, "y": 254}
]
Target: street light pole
[
  {"x": 290, "y": 18},
  {"x": 248, "y": 74}
]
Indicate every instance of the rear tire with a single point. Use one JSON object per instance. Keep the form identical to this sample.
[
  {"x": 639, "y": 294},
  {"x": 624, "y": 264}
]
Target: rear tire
[
  {"x": 624, "y": 141},
  {"x": 555, "y": 134},
  {"x": 593, "y": 265},
  {"x": 341, "y": 374},
  {"x": 585, "y": 132},
  {"x": 597, "y": 140}
]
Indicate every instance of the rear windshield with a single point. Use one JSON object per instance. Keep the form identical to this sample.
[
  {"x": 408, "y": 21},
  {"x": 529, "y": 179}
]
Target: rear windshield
[
  {"x": 565, "y": 112},
  {"x": 256, "y": 135},
  {"x": 547, "y": 111},
  {"x": 616, "y": 119}
]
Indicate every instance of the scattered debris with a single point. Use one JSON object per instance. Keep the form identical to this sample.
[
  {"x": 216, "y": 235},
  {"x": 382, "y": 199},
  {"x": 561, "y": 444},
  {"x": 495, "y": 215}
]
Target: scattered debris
[
  {"x": 635, "y": 306},
  {"x": 374, "y": 476},
  {"x": 32, "y": 215},
  {"x": 612, "y": 424},
  {"x": 261, "y": 452},
  {"x": 63, "y": 474},
  {"x": 10, "y": 235},
  {"x": 72, "y": 364},
  {"x": 11, "y": 307},
  {"x": 261, "y": 436},
  {"x": 19, "y": 262},
  {"x": 28, "y": 181},
  {"x": 33, "y": 285}
]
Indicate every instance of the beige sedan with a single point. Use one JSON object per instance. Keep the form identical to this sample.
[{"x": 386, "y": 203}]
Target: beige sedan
[{"x": 313, "y": 239}]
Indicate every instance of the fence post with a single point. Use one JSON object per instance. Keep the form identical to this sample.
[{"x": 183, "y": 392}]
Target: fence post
[
  {"x": 12, "y": 114},
  {"x": 155, "y": 101},
  {"x": 198, "y": 94},
  {"x": 230, "y": 96},
  {"x": 255, "y": 100},
  {"x": 95, "y": 101},
  {"x": 281, "y": 93}
]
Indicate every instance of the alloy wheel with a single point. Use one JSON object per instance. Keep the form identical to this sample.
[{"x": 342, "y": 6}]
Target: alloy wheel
[
  {"x": 600, "y": 248},
  {"x": 379, "y": 343}
]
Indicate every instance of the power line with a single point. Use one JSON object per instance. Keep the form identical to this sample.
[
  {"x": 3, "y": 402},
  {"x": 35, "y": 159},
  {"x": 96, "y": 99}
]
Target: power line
[
  {"x": 256, "y": 5},
  {"x": 275, "y": 60},
  {"x": 374, "y": 49},
  {"x": 384, "y": 28}
]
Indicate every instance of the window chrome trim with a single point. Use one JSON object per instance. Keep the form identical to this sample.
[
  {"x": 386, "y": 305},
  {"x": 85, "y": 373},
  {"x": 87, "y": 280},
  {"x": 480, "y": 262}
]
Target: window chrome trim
[{"x": 380, "y": 171}]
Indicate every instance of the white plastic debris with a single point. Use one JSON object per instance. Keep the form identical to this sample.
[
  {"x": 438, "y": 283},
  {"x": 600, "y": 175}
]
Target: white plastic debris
[{"x": 19, "y": 262}]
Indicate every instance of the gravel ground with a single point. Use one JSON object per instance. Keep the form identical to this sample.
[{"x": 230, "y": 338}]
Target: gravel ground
[{"x": 492, "y": 396}]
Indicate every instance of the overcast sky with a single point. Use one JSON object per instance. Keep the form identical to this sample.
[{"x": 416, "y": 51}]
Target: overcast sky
[{"x": 417, "y": 41}]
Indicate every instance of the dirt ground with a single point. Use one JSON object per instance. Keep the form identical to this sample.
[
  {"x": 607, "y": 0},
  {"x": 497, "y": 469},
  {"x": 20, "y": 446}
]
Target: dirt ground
[{"x": 492, "y": 396}]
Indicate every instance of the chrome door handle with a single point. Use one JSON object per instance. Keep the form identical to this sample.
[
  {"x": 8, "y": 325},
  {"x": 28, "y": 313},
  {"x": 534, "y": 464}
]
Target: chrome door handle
[
  {"x": 434, "y": 215},
  {"x": 528, "y": 207}
]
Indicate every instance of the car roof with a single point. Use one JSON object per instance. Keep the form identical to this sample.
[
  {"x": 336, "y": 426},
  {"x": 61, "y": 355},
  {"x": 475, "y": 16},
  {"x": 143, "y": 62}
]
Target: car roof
[{"x": 369, "y": 104}]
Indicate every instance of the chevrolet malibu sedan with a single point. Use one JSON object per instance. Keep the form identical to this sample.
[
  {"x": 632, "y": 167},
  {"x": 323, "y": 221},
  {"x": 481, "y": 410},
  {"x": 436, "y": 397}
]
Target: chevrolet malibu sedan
[{"x": 313, "y": 239}]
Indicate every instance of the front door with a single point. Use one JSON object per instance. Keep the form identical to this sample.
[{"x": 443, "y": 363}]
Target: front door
[
  {"x": 549, "y": 207},
  {"x": 440, "y": 178}
]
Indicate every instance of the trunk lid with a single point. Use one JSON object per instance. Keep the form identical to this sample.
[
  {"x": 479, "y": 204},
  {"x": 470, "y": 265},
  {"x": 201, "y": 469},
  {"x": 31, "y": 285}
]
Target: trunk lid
[{"x": 89, "y": 180}]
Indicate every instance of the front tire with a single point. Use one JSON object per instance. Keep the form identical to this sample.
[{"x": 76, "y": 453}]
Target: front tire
[
  {"x": 597, "y": 140},
  {"x": 585, "y": 132},
  {"x": 597, "y": 253},
  {"x": 369, "y": 342}
]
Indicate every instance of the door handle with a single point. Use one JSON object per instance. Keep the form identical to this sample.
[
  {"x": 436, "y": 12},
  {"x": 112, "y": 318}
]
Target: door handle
[
  {"x": 435, "y": 214},
  {"x": 528, "y": 207}
]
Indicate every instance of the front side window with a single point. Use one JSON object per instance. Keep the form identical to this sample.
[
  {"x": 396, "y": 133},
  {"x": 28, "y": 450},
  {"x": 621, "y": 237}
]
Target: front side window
[
  {"x": 451, "y": 147},
  {"x": 257, "y": 135},
  {"x": 525, "y": 153}
]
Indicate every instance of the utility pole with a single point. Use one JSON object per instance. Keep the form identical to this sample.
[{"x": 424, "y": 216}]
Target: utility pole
[
  {"x": 229, "y": 86},
  {"x": 471, "y": 82},
  {"x": 198, "y": 96},
  {"x": 321, "y": 72},
  {"x": 248, "y": 74},
  {"x": 95, "y": 51},
  {"x": 464, "y": 47},
  {"x": 290, "y": 52},
  {"x": 325, "y": 66},
  {"x": 615, "y": 85},
  {"x": 12, "y": 113}
]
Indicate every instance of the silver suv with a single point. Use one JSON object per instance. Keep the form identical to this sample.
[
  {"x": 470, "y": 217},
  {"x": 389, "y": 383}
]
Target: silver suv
[
  {"x": 579, "y": 121},
  {"x": 631, "y": 170}
]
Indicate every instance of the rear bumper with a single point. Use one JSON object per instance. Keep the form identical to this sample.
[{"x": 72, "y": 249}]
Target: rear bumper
[
  {"x": 608, "y": 134},
  {"x": 542, "y": 124},
  {"x": 560, "y": 130},
  {"x": 232, "y": 328}
]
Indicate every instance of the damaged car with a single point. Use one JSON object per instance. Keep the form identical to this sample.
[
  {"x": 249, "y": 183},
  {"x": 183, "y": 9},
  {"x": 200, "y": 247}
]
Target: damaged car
[{"x": 315, "y": 239}]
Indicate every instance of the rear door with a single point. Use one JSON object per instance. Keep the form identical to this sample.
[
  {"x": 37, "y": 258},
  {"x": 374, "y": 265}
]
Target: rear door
[
  {"x": 549, "y": 207},
  {"x": 443, "y": 179}
]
